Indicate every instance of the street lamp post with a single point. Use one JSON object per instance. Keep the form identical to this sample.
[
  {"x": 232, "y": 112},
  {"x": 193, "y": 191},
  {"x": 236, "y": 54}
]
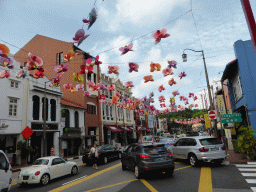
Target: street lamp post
[{"x": 184, "y": 57}]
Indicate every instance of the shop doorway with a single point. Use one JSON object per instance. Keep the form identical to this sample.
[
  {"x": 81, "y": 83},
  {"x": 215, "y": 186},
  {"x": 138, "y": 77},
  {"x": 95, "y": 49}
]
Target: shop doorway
[{"x": 49, "y": 139}]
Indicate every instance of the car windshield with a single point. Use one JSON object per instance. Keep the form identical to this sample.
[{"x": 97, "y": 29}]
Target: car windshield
[
  {"x": 166, "y": 140},
  {"x": 147, "y": 138},
  {"x": 210, "y": 141},
  {"x": 155, "y": 150},
  {"x": 41, "y": 162}
]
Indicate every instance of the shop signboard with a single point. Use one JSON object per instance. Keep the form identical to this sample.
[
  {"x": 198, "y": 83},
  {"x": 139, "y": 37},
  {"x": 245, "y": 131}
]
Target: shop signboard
[
  {"x": 221, "y": 105},
  {"x": 232, "y": 120},
  {"x": 208, "y": 123}
]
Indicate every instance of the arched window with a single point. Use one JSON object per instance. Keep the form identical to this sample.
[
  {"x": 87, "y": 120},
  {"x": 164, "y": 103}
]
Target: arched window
[
  {"x": 36, "y": 107},
  {"x": 111, "y": 111},
  {"x": 103, "y": 109},
  {"x": 53, "y": 109},
  {"x": 76, "y": 119},
  {"x": 107, "y": 112},
  {"x": 46, "y": 109},
  {"x": 67, "y": 118}
]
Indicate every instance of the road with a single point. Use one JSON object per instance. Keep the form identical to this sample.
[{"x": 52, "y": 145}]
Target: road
[{"x": 111, "y": 178}]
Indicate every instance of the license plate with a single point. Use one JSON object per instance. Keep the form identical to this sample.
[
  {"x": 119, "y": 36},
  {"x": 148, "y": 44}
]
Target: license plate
[
  {"x": 160, "y": 159},
  {"x": 215, "y": 149},
  {"x": 25, "y": 177}
]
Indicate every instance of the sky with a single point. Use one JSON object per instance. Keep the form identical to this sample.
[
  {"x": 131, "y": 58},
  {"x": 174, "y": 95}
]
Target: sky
[{"x": 218, "y": 24}]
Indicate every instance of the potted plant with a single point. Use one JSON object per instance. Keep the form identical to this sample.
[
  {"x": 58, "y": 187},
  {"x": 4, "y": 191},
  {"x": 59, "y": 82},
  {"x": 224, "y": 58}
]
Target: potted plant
[{"x": 24, "y": 151}]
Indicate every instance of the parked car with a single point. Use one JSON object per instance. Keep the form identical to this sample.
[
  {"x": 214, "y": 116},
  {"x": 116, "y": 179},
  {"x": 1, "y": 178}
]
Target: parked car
[
  {"x": 156, "y": 138},
  {"x": 192, "y": 133},
  {"x": 5, "y": 172},
  {"x": 148, "y": 157},
  {"x": 105, "y": 153},
  {"x": 147, "y": 139},
  {"x": 195, "y": 149},
  {"x": 168, "y": 142},
  {"x": 164, "y": 135},
  {"x": 45, "y": 169}
]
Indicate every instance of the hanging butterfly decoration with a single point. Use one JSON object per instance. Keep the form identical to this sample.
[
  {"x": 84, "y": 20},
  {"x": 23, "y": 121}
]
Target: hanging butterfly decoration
[
  {"x": 111, "y": 87},
  {"x": 22, "y": 73},
  {"x": 55, "y": 82},
  {"x": 38, "y": 74},
  {"x": 195, "y": 98},
  {"x": 91, "y": 84},
  {"x": 133, "y": 67},
  {"x": 92, "y": 18},
  {"x": 67, "y": 86},
  {"x": 162, "y": 105},
  {"x": 191, "y": 95},
  {"x": 172, "y": 64},
  {"x": 161, "y": 98},
  {"x": 77, "y": 77},
  {"x": 129, "y": 84},
  {"x": 155, "y": 67},
  {"x": 80, "y": 87},
  {"x": 172, "y": 82},
  {"x": 186, "y": 102},
  {"x": 93, "y": 61},
  {"x": 87, "y": 93},
  {"x": 182, "y": 74},
  {"x": 167, "y": 72},
  {"x": 151, "y": 95},
  {"x": 114, "y": 100},
  {"x": 172, "y": 99},
  {"x": 88, "y": 69},
  {"x": 103, "y": 87},
  {"x": 5, "y": 74},
  {"x": 7, "y": 62},
  {"x": 182, "y": 98},
  {"x": 102, "y": 98},
  {"x": 35, "y": 62},
  {"x": 72, "y": 90},
  {"x": 126, "y": 49},
  {"x": 113, "y": 69},
  {"x": 175, "y": 93},
  {"x": 79, "y": 37},
  {"x": 96, "y": 87},
  {"x": 69, "y": 56},
  {"x": 148, "y": 78},
  {"x": 159, "y": 34},
  {"x": 4, "y": 51},
  {"x": 178, "y": 106},
  {"x": 118, "y": 94},
  {"x": 196, "y": 105},
  {"x": 151, "y": 100},
  {"x": 161, "y": 88},
  {"x": 61, "y": 68}
]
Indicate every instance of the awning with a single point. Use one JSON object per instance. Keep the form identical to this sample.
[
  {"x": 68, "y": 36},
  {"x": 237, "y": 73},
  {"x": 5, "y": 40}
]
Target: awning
[
  {"x": 125, "y": 128},
  {"x": 114, "y": 129},
  {"x": 230, "y": 70},
  {"x": 142, "y": 128},
  {"x": 132, "y": 128}
]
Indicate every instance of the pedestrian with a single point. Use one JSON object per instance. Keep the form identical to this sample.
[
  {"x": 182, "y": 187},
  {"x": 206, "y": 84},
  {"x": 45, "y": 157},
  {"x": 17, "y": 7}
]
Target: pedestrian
[
  {"x": 36, "y": 153},
  {"x": 94, "y": 155},
  {"x": 52, "y": 151}
]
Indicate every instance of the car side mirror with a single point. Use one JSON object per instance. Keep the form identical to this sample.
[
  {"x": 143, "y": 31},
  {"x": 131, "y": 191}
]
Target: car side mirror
[{"x": 6, "y": 167}]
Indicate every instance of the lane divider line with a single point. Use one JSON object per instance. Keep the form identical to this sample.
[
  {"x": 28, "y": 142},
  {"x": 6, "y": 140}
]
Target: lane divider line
[
  {"x": 84, "y": 179},
  {"x": 205, "y": 183},
  {"x": 112, "y": 185},
  {"x": 150, "y": 187},
  {"x": 74, "y": 180},
  {"x": 182, "y": 168}
]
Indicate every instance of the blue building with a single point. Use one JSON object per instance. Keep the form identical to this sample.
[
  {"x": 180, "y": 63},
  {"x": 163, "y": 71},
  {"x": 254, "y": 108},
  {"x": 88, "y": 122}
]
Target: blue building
[{"x": 241, "y": 82}]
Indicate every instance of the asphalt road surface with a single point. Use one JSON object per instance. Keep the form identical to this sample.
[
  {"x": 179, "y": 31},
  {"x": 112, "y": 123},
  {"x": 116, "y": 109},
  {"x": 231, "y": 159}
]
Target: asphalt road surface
[{"x": 111, "y": 178}]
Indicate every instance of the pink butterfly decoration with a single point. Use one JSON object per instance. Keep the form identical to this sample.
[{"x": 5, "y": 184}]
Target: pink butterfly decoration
[
  {"x": 181, "y": 98},
  {"x": 167, "y": 71},
  {"x": 80, "y": 87},
  {"x": 79, "y": 37},
  {"x": 21, "y": 73},
  {"x": 151, "y": 100},
  {"x": 5, "y": 74},
  {"x": 129, "y": 84},
  {"x": 87, "y": 93},
  {"x": 151, "y": 94},
  {"x": 175, "y": 93},
  {"x": 191, "y": 94},
  {"x": 161, "y": 99},
  {"x": 162, "y": 105},
  {"x": 161, "y": 88},
  {"x": 144, "y": 98},
  {"x": 96, "y": 87},
  {"x": 61, "y": 68},
  {"x": 172, "y": 64},
  {"x": 103, "y": 87},
  {"x": 196, "y": 105},
  {"x": 159, "y": 34},
  {"x": 186, "y": 102},
  {"x": 113, "y": 69},
  {"x": 117, "y": 94},
  {"x": 111, "y": 87},
  {"x": 195, "y": 98},
  {"x": 182, "y": 74},
  {"x": 133, "y": 67},
  {"x": 91, "y": 84},
  {"x": 35, "y": 62},
  {"x": 178, "y": 106},
  {"x": 126, "y": 48},
  {"x": 92, "y": 62},
  {"x": 67, "y": 86}
]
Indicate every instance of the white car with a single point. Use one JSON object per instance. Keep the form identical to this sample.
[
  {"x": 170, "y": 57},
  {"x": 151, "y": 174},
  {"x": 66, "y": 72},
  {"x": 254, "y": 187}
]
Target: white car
[{"x": 45, "y": 169}]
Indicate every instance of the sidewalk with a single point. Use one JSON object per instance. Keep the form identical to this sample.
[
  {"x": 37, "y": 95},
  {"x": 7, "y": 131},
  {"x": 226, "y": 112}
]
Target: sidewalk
[
  {"x": 18, "y": 168},
  {"x": 235, "y": 158}
]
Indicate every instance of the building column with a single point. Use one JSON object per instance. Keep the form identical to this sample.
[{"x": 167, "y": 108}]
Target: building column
[{"x": 56, "y": 143}]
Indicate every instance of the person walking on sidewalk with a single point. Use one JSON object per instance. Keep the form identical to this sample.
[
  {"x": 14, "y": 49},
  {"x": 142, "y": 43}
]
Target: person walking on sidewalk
[
  {"x": 36, "y": 153},
  {"x": 94, "y": 154},
  {"x": 52, "y": 151}
]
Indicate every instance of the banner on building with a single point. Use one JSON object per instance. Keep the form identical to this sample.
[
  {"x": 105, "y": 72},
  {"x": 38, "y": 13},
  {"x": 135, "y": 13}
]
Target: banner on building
[
  {"x": 146, "y": 121},
  {"x": 151, "y": 121},
  {"x": 208, "y": 123},
  {"x": 221, "y": 105}
]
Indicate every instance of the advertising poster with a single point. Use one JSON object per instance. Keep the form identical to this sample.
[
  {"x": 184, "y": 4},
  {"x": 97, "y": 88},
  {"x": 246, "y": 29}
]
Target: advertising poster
[{"x": 208, "y": 123}]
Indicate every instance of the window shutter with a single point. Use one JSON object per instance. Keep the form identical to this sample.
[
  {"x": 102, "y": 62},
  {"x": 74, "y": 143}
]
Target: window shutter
[
  {"x": 94, "y": 107},
  {"x": 57, "y": 59},
  {"x": 61, "y": 58}
]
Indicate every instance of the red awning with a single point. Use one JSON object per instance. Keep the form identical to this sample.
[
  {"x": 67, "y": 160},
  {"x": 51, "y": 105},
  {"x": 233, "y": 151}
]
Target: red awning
[
  {"x": 113, "y": 128},
  {"x": 133, "y": 128},
  {"x": 125, "y": 128},
  {"x": 142, "y": 128}
]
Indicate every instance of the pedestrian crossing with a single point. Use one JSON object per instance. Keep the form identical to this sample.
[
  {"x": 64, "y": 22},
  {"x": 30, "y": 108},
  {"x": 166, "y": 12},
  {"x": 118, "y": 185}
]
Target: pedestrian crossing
[{"x": 249, "y": 172}]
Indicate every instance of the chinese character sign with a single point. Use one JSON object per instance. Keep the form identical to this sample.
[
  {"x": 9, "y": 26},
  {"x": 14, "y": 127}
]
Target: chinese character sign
[
  {"x": 208, "y": 123},
  {"x": 221, "y": 105}
]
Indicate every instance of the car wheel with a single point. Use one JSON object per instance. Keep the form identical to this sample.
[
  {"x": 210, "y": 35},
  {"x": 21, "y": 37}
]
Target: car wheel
[
  {"x": 137, "y": 172},
  {"x": 124, "y": 167},
  {"x": 193, "y": 160},
  {"x": 105, "y": 160},
  {"x": 119, "y": 155},
  {"x": 74, "y": 170},
  {"x": 169, "y": 172},
  {"x": 45, "y": 179}
]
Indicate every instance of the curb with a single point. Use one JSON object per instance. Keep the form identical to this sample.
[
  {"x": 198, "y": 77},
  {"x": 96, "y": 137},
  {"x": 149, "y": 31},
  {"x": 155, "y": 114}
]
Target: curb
[
  {"x": 19, "y": 169},
  {"x": 238, "y": 162}
]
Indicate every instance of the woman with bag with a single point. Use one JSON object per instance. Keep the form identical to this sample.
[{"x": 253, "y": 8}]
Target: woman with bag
[{"x": 94, "y": 152}]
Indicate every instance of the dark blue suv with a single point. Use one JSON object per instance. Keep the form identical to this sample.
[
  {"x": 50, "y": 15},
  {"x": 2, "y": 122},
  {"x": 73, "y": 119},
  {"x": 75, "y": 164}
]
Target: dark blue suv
[{"x": 148, "y": 157}]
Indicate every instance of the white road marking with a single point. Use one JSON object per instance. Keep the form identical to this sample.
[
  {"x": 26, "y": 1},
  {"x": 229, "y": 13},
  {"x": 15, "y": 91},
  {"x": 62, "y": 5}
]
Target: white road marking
[
  {"x": 244, "y": 169},
  {"x": 74, "y": 180},
  {"x": 251, "y": 163},
  {"x": 245, "y": 165},
  {"x": 253, "y": 189},
  {"x": 251, "y": 180},
  {"x": 249, "y": 174}
]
